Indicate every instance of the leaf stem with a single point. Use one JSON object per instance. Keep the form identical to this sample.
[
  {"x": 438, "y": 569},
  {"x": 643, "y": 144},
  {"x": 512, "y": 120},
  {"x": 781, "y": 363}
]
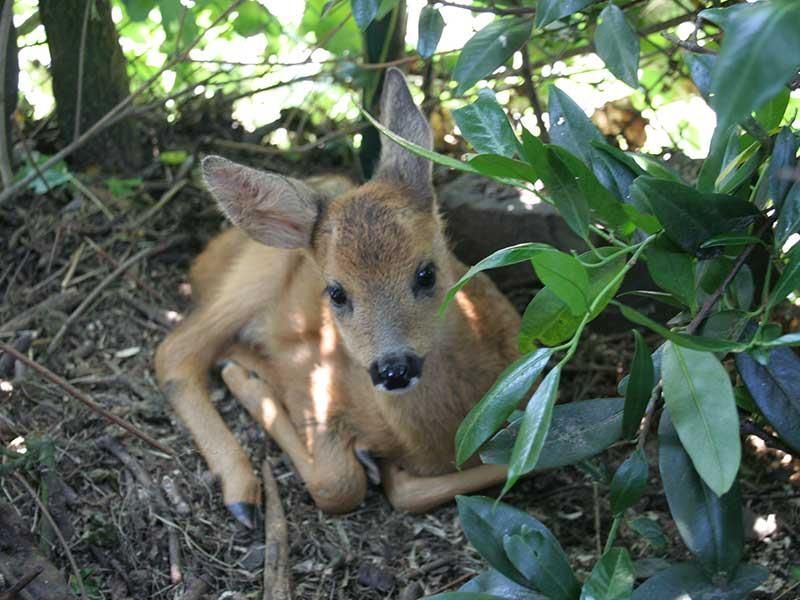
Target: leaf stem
[{"x": 612, "y": 533}]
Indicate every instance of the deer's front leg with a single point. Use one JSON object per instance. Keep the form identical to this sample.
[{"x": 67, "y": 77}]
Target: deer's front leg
[
  {"x": 414, "y": 494},
  {"x": 327, "y": 463}
]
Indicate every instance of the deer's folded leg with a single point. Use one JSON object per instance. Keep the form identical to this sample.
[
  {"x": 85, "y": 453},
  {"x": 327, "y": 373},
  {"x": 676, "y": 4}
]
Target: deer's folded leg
[{"x": 420, "y": 494}]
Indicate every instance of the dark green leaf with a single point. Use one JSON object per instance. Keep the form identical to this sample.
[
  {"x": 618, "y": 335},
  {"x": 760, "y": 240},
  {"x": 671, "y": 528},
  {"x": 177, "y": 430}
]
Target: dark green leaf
[
  {"x": 485, "y": 125},
  {"x": 687, "y": 580},
  {"x": 431, "y": 25},
  {"x": 464, "y": 596},
  {"x": 549, "y": 321},
  {"x": 722, "y": 139},
  {"x": 790, "y": 339},
  {"x": 760, "y": 53},
  {"x": 567, "y": 195},
  {"x": 502, "y": 258},
  {"x": 566, "y": 277},
  {"x": 492, "y": 582},
  {"x": 731, "y": 239},
  {"x": 543, "y": 564},
  {"x": 138, "y": 10},
  {"x": 578, "y": 431},
  {"x": 789, "y": 280},
  {"x": 533, "y": 429},
  {"x": 639, "y": 387},
  {"x": 783, "y": 162},
  {"x": 618, "y": 45},
  {"x": 611, "y": 578},
  {"x": 710, "y": 525},
  {"x": 789, "y": 217},
  {"x": 690, "y": 217},
  {"x": 727, "y": 324},
  {"x": 673, "y": 271},
  {"x": 489, "y": 49},
  {"x": 487, "y": 522},
  {"x": 629, "y": 482},
  {"x": 695, "y": 342},
  {"x": 548, "y": 11},
  {"x": 364, "y": 12},
  {"x": 650, "y": 530},
  {"x": 384, "y": 8},
  {"x": 740, "y": 170},
  {"x": 699, "y": 395},
  {"x": 775, "y": 388},
  {"x": 570, "y": 128},
  {"x": 700, "y": 66},
  {"x": 498, "y": 403}
]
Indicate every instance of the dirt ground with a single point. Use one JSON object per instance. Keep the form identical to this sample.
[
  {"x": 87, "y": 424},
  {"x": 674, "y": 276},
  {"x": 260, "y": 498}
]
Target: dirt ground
[{"x": 59, "y": 250}]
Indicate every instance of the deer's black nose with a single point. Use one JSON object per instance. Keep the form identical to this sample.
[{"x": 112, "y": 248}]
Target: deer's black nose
[{"x": 396, "y": 372}]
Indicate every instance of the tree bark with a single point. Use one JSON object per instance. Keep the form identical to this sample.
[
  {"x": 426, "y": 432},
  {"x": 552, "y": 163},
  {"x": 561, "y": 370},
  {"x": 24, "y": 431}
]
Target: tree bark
[
  {"x": 104, "y": 84},
  {"x": 11, "y": 76}
]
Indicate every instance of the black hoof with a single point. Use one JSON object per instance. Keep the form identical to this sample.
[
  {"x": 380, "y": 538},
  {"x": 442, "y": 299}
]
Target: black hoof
[
  {"x": 370, "y": 466},
  {"x": 247, "y": 514}
]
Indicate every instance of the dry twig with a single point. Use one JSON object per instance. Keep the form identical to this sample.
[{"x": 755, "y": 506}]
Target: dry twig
[
  {"x": 86, "y": 400},
  {"x": 6, "y": 174},
  {"x": 277, "y": 583}
]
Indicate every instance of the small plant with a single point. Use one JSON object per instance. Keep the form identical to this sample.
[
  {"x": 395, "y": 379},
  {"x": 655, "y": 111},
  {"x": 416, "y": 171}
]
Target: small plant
[{"x": 700, "y": 242}]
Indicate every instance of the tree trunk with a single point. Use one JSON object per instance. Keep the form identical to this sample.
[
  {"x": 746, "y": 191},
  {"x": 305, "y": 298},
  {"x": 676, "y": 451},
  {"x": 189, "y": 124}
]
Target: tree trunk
[
  {"x": 105, "y": 81},
  {"x": 11, "y": 77}
]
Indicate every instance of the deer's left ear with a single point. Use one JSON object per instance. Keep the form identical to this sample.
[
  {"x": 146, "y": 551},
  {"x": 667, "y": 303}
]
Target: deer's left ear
[{"x": 401, "y": 116}]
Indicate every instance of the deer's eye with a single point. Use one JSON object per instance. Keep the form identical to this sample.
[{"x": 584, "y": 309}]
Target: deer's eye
[
  {"x": 425, "y": 278},
  {"x": 337, "y": 295}
]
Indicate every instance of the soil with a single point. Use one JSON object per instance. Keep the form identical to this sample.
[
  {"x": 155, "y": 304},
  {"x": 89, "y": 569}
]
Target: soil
[{"x": 59, "y": 247}]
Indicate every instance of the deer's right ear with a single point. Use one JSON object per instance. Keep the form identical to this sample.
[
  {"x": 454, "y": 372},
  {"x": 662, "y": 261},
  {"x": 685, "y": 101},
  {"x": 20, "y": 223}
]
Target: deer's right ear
[{"x": 272, "y": 209}]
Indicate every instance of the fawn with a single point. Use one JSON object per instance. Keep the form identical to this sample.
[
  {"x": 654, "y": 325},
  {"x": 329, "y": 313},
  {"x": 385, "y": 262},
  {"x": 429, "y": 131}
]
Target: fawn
[{"x": 322, "y": 306}]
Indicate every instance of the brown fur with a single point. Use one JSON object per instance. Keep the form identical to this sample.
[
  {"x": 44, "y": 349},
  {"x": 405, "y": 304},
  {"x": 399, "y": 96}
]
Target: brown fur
[{"x": 301, "y": 367}]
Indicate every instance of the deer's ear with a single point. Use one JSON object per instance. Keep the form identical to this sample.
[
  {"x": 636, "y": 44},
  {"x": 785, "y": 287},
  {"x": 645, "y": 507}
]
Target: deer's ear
[
  {"x": 272, "y": 209},
  {"x": 401, "y": 116}
]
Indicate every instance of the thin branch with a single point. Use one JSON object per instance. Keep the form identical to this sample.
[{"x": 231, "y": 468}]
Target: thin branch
[
  {"x": 79, "y": 395},
  {"x": 81, "y": 60},
  {"x": 6, "y": 18},
  {"x": 522, "y": 10},
  {"x": 117, "y": 112},
  {"x": 530, "y": 90}
]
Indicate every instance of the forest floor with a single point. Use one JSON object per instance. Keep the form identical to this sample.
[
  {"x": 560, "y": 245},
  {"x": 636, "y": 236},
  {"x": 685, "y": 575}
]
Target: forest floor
[{"x": 58, "y": 248}]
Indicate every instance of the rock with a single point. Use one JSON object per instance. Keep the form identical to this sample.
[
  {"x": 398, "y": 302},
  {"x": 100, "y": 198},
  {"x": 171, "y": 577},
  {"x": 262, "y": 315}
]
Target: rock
[
  {"x": 483, "y": 216},
  {"x": 412, "y": 591}
]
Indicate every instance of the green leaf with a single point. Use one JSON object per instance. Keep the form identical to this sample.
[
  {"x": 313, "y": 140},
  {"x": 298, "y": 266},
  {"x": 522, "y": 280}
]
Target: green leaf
[
  {"x": 489, "y": 49},
  {"x": 731, "y": 239},
  {"x": 335, "y": 30},
  {"x": 173, "y": 157},
  {"x": 650, "y": 530},
  {"x": 533, "y": 429},
  {"x": 464, "y": 596},
  {"x": 783, "y": 162},
  {"x": 497, "y": 167},
  {"x": 775, "y": 388},
  {"x": 566, "y": 277},
  {"x": 486, "y": 523},
  {"x": 695, "y": 342},
  {"x": 364, "y": 12},
  {"x": 673, "y": 271},
  {"x": 699, "y": 395},
  {"x": 252, "y": 19},
  {"x": 700, "y": 66},
  {"x": 431, "y": 26},
  {"x": 690, "y": 217},
  {"x": 547, "y": 318},
  {"x": 710, "y": 525},
  {"x": 570, "y": 128},
  {"x": 611, "y": 578},
  {"x": 687, "y": 580},
  {"x": 760, "y": 53},
  {"x": 639, "y": 387},
  {"x": 789, "y": 217},
  {"x": 485, "y": 125},
  {"x": 498, "y": 403},
  {"x": 543, "y": 564},
  {"x": 723, "y": 138},
  {"x": 740, "y": 170},
  {"x": 492, "y": 582},
  {"x": 629, "y": 482},
  {"x": 567, "y": 195},
  {"x": 578, "y": 431},
  {"x": 789, "y": 280},
  {"x": 771, "y": 114},
  {"x": 548, "y": 11},
  {"x": 618, "y": 45},
  {"x": 138, "y": 10},
  {"x": 502, "y": 258}
]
